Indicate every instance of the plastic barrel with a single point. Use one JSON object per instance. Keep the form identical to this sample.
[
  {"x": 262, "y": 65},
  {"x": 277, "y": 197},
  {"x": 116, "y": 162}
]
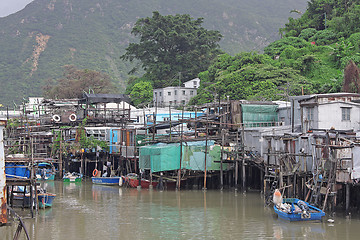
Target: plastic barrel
[
  {"x": 9, "y": 169},
  {"x": 20, "y": 171},
  {"x": 27, "y": 173}
]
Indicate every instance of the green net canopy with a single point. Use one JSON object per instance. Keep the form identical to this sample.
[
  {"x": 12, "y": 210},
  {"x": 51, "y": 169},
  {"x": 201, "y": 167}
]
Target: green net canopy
[
  {"x": 166, "y": 157},
  {"x": 258, "y": 115}
]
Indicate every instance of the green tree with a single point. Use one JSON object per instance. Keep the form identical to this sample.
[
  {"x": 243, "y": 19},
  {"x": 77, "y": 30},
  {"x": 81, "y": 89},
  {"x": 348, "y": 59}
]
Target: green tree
[
  {"x": 170, "y": 45},
  {"x": 253, "y": 77},
  {"x": 142, "y": 92},
  {"x": 76, "y": 81},
  {"x": 342, "y": 16},
  {"x": 277, "y": 47}
]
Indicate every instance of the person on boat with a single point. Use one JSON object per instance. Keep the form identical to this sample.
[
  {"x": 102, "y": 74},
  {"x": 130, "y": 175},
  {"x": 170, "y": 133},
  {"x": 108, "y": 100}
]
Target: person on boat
[
  {"x": 277, "y": 198},
  {"x": 278, "y": 201},
  {"x": 108, "y": 167},
  {"x": 43, "y": 173},
  {"x": 105, "y": 170}
]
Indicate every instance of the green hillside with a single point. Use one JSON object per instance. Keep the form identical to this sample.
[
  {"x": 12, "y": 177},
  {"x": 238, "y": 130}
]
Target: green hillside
[
  {"x": 317, "y": 52},
  {"x": 36, "y": 42}
]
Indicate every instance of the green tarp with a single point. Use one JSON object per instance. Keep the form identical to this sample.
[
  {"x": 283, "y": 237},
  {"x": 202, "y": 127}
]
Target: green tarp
[
  {"x": 166, "y": 157},
  {"x": 259, "y": 115}
]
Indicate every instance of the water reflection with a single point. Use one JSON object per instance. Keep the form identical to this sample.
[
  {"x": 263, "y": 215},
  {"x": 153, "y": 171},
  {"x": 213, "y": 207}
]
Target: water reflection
[
  {"x": 84, "y": 210},
  {"x": 284, "y": 229}
]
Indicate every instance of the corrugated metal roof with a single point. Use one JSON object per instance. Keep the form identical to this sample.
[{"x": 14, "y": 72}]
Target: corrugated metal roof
[{"x": 105, "y": 98}]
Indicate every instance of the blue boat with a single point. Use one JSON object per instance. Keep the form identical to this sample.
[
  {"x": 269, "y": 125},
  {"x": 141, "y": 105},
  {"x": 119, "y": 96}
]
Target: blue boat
[
  {"x": 45, "y": 171},
  {"x": 106, "y": 180},
  {"x": 293, "y": 209},
  {"x": 46, "y": 199}
]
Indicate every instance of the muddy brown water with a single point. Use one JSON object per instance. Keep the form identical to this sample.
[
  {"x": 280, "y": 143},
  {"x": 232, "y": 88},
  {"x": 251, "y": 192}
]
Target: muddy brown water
[{"x": 87, "y": 211}]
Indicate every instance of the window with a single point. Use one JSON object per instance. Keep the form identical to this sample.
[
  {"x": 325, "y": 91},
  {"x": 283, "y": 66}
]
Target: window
[
  {"x": 184, "y": 92},
  {"x": 175, "y": 92},
  {"x": 345, "y": 114},
  {"x": 195, "y": 83},
  {"x": 159, "y": 93},
  {"x": 191, "y": 92},
  {"x": 169, "y": 93},
  {"x": 310, "y": 114}
]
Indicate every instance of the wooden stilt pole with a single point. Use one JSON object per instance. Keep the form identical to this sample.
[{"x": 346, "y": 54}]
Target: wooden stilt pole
[
  {"x": 347, "y": 200},
  {"x": 181, "y": 140},
  {"x": 221, "y": 161},
  {"x": 206, "y": 140},
  {"x": 237, "y": 162},
  {"x": 60, "y": 158},
  {"x": 243, "y": 150}
]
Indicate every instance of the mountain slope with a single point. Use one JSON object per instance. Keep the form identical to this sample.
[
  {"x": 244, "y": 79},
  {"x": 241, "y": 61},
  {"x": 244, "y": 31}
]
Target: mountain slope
[
  {"x": 7, "y": 7},
  {"x": 48, "y": 34}
]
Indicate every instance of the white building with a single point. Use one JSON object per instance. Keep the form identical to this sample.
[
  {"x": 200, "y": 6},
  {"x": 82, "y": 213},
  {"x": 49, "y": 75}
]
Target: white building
[
  {"x": 340, "y": 111},
  {"x": 195, "y": 83},
  {"x": 176, "y": 96}
]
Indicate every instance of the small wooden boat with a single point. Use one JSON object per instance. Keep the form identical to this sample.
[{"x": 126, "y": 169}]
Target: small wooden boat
[
  {"x": 46, "y": 199},
  {"x": 23, "y": 200},
  {"x": 293, "y": 209},
  {"x": 106, "y": 180},
  {"x": 45, "y": 171},
  {"x": 133, "y": 181}
]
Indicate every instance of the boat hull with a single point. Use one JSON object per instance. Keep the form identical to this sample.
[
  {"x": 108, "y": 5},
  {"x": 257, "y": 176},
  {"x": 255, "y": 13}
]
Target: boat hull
[
  {"x": 45, "y": 178},
  {"x": 134, "y": 182},
  {"x": 45, "y": 171},
  {"x": 46, "y": 200},
  {"x": 72, "y": 179},
  {"x": 106, "y": 180},
  {"x": 315, "y": 214}
]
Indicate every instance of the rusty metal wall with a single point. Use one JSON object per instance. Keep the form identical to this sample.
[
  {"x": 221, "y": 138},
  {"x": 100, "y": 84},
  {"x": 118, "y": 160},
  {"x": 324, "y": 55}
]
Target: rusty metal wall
[
  {"x": 235, "y": 112},
  {"x": 3, "y": 214}
]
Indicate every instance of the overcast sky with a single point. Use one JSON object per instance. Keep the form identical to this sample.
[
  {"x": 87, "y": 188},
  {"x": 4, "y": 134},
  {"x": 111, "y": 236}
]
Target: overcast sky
[{"x": 8, "y": 7}]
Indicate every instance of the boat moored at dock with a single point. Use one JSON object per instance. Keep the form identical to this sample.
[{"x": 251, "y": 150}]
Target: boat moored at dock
[
  {"x": 133, "y": 181},
  {"x": 72, "y": 177},
  {"x": 46, "y": 199},
  {"x": 21, "y": 198},
  {"x": 106, "y": 180},
  {"x": 45, "y": 171},
  {"x": 293, "y": 209}
]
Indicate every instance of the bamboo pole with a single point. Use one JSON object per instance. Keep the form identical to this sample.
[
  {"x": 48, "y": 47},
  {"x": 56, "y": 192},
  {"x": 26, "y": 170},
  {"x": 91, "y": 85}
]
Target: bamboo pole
[
  {"x": 170, "y": 120},
  {"x": 60, "y": 157},
  {"x": 181, "y": 142},
  {"x": 195, "y": 122},
  {"x": 206, "y": 141},
  {"x": 221, "y": 160},
  {"x": 237, "y": 162},
  {"x": 243, "y": 150}
]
